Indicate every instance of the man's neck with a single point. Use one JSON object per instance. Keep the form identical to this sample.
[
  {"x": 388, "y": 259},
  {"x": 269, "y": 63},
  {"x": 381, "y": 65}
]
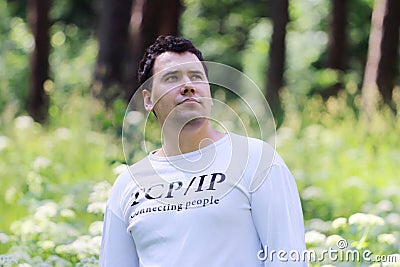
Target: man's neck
[{"x": 193, "y": 136}]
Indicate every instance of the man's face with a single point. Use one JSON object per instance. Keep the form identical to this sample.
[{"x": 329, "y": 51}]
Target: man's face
[{"x": 180, "y": 90}]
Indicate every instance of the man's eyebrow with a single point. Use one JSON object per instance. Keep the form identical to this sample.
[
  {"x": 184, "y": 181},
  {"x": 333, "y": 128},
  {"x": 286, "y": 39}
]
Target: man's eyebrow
[
  {"x": 196, "y": 72},
  {"x": 170, "y": 73}
]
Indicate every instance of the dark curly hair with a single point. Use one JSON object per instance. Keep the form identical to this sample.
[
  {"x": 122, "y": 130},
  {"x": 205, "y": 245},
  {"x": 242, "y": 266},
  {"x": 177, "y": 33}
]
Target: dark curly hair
[{"x": 161, "y": 45}]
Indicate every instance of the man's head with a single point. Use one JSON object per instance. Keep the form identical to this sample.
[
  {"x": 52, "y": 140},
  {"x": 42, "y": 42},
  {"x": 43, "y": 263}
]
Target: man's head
[
  {"x": 161, "y": 45},
  {"x": 175, "y": 81}
]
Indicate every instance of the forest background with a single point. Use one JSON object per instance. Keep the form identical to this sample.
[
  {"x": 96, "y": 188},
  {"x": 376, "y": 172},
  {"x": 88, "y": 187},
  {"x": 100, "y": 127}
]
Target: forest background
[{"x": 329, "y": 70}]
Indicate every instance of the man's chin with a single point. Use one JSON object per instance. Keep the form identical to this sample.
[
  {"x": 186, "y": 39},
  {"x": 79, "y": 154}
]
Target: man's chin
[{"x": 180, "y": 122}]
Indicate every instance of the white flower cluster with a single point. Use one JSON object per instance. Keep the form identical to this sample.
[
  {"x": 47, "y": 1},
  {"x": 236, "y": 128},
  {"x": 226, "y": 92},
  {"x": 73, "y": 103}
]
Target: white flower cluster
[
  {"x": 314, "y": 237},
  {"x": 364, "y": 219},
  {"x": 98, "y": 198},
  {"x": 40, "y": 163},
  {"x": 120, "y": 168},
  {"x": 339, "y": 223},
  {"x": 83, "y": 247},
  {"x": 23, "y": 122}
]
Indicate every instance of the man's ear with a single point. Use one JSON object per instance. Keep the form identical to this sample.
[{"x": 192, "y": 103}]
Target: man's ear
[{"x": 148, "y": 103}]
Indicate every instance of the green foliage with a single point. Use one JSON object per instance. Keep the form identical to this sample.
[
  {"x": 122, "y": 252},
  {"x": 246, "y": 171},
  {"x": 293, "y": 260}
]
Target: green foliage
[
  {"x": 55, "y": 178},
  {"x": 221, "y": 28},
  {"x": 16, "y": 42},
  {"x": 347, "y": 174},
  {"x": 55, "y": 182},
  {"x": 238, "y": 34}
]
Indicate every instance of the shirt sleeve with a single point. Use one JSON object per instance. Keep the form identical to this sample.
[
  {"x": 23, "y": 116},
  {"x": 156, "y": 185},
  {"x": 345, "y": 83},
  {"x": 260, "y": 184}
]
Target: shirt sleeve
[
  {"x": 278, "y": 218},
  {"x": 117, "y": 246}
]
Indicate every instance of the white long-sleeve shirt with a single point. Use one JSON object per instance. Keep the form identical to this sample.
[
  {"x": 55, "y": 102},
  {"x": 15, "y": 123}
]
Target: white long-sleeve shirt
[{"x": 218, "y": 206}]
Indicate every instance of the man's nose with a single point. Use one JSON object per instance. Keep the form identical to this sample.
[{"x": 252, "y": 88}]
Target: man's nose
[{"x": 188, "y": 89}]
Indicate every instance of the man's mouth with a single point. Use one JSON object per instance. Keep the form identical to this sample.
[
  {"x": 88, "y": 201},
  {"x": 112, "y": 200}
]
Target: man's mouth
[{"x": 189, "y": 100}]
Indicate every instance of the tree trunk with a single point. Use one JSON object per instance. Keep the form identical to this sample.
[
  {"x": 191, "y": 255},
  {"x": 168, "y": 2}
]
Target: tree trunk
[
  {"x": 38, "y": 99},
  {"x": 388, "y": 65},
  {"x": 277, "y": 57},
  {"x": 113, "y": 44},
  {"x": 337, "y": 44},
  {"x": 150, "y": 18},
  {"x": 382, "y": 56},
  {"x": 369, "y": 88}
]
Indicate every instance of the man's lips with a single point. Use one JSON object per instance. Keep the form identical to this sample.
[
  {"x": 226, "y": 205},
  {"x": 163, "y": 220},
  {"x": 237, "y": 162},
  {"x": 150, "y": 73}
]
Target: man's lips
[{"x": 188, "y": 100}]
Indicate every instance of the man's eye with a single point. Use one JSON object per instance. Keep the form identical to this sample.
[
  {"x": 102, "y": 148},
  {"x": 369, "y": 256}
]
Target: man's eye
[
  {"x": 171, "y": 78},
  {"x": 197, "y": 77}
]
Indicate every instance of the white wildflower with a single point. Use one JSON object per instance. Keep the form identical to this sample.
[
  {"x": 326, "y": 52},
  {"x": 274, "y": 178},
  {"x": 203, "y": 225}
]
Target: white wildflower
[
  {"x": 40, "y": 163},
  {"x": 4, "y": 238},
  {"x": 96, "y": 228},
  {"x": 11, "y": 194},
  {"x": 57, "y": 261},
  {"x": 391, "y": 191},
  {"x": 47, "y": 210},
  {"x": 26, "y": 228},
  {"x": 312, "y": 192},
  {"x": 358, "y": 218},
  {"x": 384, "y": 205},
  {"x": 7, "y": 260},
  {"x": 83, "y": 246},
  {"x": 64, "y": 249},
  {"x": 68, "y": 201},
  {"x": 88, "y": 262},
  {"x": 95, "y": 243},
  {"x": 67, "y": 213},
  {"x": 354, "y": 181},
  {"x": 387, "y": 238},
  {"x": 393, "y": 218},
  {"x": 46, "y": 244},
  {"x": 63, "y": 133},
  {"x": 375, "y": 220},
  {"x": 339, "y": 223},
  {"x": 98, "y": 198},
  {"x": 367, "y": 207},
  {"x": 97, "y": 207},
  {"x": 332, "y": 240},
  {"x": 363, "y": 219},
  {"x": 120, "y": 169},
  {"x": 319, "y": 225},
  {"x": 4, "y": 141},
  {"x": 34, "y": 181},
  {"x": 314, "y": 237},
  {"x": 23, "y": 122},
  {"x": 101, "y": 191},
  {"x": 19, "y": 253}
]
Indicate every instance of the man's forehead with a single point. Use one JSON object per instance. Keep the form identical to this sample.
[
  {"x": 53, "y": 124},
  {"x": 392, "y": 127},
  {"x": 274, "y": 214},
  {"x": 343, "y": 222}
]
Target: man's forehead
[{"x": 172, "y": 61}]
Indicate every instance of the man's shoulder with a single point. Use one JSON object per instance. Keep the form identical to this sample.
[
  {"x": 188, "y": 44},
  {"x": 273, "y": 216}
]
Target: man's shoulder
[
  {"x": 260, "y": 157},
  {"x": 253, "y": 141},
  {"x": 256, "y": 148}
]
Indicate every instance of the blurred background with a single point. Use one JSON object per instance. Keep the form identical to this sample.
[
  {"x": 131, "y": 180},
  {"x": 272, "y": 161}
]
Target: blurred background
[{"x": 329, "y": 70}]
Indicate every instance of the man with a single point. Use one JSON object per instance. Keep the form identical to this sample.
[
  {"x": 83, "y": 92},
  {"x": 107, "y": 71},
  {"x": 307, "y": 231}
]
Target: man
[{"x": 205, "y": 198}]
